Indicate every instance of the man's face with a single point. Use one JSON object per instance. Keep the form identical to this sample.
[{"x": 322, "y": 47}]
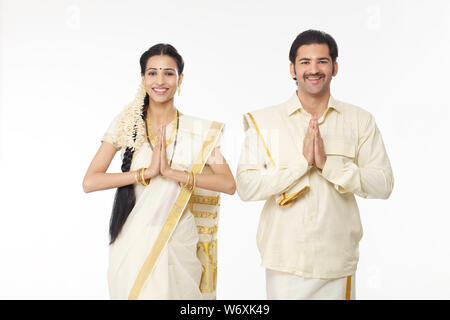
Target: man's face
[{"x": 313, "y": 69}]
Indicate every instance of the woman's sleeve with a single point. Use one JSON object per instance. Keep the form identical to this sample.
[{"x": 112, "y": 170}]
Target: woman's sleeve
[{"x": 110, "y": 135}]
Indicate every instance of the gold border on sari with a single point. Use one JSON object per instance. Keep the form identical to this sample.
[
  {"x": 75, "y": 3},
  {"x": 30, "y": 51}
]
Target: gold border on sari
[
  {"x": 200, "y": 199},
  {"x": 207, "y": 253},
  {"x": 175, "y": 213}
]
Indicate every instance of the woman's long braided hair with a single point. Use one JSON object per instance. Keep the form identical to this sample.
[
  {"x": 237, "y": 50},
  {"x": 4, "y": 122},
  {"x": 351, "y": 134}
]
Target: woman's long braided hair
[{"x": 125, "y": 198}]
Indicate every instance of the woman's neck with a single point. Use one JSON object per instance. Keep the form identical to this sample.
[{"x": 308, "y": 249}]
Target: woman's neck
[{"x": 161, "y": 113}]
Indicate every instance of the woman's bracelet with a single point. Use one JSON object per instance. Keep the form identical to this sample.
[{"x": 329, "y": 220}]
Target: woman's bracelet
[
  {"x": 136, "y": 177},
  {"x": 144, "y": 182},
  {"x": 139, "y": 177},
  {"x": 188, "y": 184}
]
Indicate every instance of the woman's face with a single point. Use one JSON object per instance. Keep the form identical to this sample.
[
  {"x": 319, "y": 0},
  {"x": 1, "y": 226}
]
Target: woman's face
[{"x": 161, "y": 78}]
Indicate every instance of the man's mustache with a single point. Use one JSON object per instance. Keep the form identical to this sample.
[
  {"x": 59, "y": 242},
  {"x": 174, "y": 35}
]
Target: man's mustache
[{"x": 315, "y": 75}]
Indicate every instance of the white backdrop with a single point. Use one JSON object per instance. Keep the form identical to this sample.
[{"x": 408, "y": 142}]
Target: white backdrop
[{"x": 67, "y": 67}]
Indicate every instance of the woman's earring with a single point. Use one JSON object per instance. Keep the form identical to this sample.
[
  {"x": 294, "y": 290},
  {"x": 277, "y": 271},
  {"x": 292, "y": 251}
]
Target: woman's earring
[{"x": 179, "y": 89}]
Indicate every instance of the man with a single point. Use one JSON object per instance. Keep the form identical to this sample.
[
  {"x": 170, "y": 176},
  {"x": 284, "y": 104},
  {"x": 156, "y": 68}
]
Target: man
[{"x": 308, "y": 157}]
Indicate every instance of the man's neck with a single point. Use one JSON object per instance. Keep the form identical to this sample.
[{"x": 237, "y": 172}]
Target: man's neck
[{"x": 314, "y": 104}]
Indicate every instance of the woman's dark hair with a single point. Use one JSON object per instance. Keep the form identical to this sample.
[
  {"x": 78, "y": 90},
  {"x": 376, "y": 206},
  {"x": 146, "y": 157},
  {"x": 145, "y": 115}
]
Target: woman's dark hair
[
  {"x": 125, "y": 198},
  {"x": 311, "y": 37},
  {"x": 161, "y": 49}
]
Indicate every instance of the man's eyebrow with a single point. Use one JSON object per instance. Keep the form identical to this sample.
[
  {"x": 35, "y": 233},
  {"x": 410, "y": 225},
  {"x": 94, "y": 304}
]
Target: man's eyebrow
[{"x": 308, "y": 59}]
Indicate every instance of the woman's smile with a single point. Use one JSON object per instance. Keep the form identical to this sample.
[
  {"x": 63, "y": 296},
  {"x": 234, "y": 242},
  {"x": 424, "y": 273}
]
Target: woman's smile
[{"x": 160, "y": 90}]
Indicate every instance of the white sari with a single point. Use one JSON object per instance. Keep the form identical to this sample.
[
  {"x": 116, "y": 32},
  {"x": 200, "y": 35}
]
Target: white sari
[{"x": 167, "y": 248}]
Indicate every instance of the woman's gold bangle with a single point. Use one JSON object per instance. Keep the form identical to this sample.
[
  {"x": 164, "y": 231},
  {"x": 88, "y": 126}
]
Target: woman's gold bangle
[
  {"x": 193, "y": 181},
  {"x": 136, "y": 176},
  {"x": 188, "y": 180},
  {"x": 144, "y": 182},
  {"x": 193, "y": 185}
]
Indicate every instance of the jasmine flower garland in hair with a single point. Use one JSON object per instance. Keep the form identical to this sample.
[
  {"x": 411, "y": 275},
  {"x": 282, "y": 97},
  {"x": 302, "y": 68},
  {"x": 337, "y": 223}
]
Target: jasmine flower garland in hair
[{"x": 131, "y": 122}]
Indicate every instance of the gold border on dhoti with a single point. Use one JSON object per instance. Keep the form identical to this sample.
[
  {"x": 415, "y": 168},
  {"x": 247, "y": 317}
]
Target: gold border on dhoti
[
  {"x": 349, "y": 288},
  {"x": 174, "y": 214}
]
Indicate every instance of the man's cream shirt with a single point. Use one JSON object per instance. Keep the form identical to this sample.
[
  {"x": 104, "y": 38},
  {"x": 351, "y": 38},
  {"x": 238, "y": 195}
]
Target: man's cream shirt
[{"x": 310, "y": 223}]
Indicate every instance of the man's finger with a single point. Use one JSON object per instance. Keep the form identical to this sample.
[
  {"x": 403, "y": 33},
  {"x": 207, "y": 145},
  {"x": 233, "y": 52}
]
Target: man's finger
[
  {"x": 315, "y": 122},
  {"x": 309, "y": 131}
]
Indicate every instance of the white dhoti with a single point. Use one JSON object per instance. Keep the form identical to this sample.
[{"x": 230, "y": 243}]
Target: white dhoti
[{"x": 287, "y": 286}]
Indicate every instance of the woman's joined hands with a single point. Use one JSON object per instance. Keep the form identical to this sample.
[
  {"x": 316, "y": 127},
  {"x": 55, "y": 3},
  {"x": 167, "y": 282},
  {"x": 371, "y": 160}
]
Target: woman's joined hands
[
  {"x": 155, "y": 165},
  {"x": 163, "y": 165}
]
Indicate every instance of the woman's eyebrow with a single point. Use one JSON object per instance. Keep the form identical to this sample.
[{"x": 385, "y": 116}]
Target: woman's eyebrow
[{"x": 153, "y": 68}]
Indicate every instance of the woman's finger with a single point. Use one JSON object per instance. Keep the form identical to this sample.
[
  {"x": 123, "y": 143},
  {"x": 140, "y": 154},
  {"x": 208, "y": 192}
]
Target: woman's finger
[{"x": 161, "y": 138}]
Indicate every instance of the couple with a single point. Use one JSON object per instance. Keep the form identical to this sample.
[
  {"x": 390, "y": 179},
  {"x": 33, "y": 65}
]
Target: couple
[{"x": 165, "y": 215}]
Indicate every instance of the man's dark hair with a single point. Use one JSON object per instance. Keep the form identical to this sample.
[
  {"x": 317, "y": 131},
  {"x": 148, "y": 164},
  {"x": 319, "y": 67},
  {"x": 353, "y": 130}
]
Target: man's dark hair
[{"x": 311, "y": 37}]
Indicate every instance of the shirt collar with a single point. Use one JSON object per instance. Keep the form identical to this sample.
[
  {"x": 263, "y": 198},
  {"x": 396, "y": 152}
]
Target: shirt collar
[{"x": 294, "y": 104}]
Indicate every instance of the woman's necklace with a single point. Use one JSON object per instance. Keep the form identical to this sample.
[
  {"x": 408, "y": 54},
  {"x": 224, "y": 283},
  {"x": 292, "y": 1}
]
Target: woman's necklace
[
  {"x": 151, "y": 137},
  {"x": 174, "y": 133}
]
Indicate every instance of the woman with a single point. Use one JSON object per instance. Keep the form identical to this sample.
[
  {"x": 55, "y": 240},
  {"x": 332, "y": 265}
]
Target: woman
[{"x": 164, "y": 221}]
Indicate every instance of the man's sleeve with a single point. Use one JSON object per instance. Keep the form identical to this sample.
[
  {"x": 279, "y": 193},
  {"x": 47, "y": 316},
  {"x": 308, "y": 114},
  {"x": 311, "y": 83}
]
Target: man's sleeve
[
  {"x": 370, "y": 174},
  {"x": 258, "y": 176}
]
